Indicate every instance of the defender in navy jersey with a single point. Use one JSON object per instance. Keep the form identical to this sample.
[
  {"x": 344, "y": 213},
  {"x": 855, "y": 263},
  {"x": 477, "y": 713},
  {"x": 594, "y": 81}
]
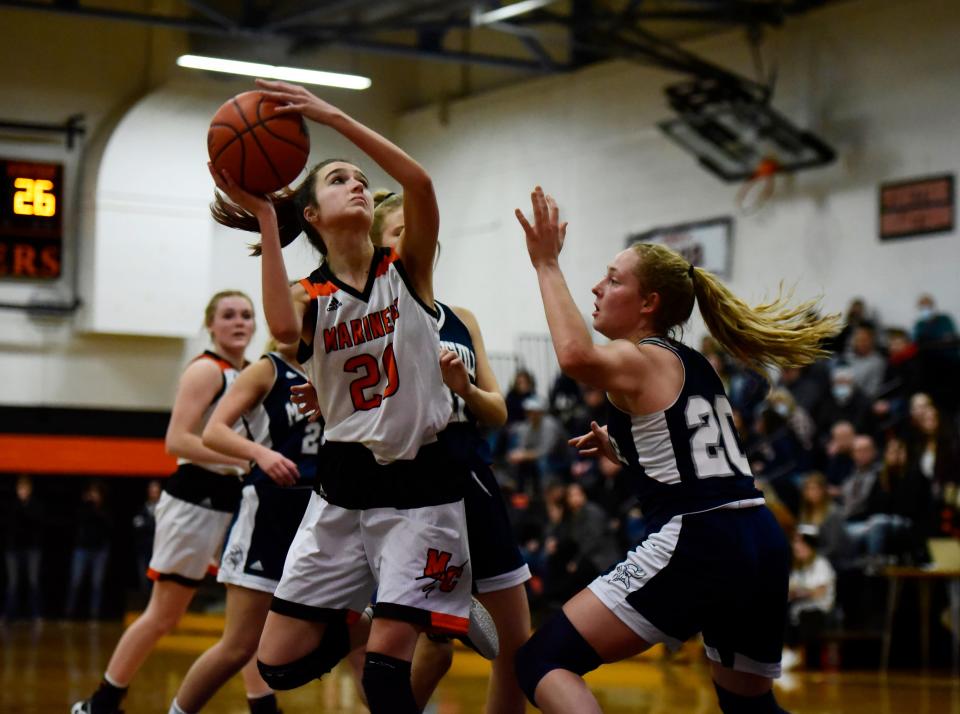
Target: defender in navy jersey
[
  {"x": 197, "y": 503},
  {"x": 283, "y": 445},
  {"x": 498, "y": 567},
  {"x": 714, "y": 560}
]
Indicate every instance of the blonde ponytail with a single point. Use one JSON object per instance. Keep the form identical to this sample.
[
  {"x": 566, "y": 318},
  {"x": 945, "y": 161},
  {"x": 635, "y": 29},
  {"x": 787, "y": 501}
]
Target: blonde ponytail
[{"x": 769, "y": 334}]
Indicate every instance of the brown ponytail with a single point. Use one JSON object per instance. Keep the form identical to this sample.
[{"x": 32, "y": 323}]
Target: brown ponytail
[{"x": 288, "y": 204}]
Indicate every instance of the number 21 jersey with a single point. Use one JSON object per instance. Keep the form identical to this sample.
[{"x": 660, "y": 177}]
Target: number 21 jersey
[{"x": 374, "y": 360}]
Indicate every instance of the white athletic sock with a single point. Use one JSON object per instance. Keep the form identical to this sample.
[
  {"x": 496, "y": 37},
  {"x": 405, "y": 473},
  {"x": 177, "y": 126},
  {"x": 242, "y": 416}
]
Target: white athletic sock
[
  {"x": 109, "y": 680},
  {"x": 175, "y": 708}
]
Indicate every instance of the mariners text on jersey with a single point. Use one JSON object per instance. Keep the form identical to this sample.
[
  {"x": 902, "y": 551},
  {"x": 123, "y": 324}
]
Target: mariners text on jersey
[{"x": 371, "y": 326}]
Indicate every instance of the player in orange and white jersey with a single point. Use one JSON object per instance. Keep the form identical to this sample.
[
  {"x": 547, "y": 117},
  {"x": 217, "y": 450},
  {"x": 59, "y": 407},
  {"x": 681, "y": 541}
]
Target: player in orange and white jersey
[{"x": 388, "y": 508}]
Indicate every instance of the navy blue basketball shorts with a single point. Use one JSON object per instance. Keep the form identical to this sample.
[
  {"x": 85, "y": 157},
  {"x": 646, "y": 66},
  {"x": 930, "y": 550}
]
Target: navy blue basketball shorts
[
  {"x": 497, "y": 562},
  {"x": 260, "y": 535},
  {"x": 722, "y": 573}
]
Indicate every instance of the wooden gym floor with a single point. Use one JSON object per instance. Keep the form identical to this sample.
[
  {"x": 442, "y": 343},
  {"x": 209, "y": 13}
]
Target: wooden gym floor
[{"x": 43, "y": 668}]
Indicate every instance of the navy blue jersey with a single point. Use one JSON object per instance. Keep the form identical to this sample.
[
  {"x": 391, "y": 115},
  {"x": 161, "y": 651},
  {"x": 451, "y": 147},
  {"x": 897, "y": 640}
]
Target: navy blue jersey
[
  {"x": 462, "y": 429},
  {"x": 687, "y": 458},
  {"x": 277, "y": 424}
]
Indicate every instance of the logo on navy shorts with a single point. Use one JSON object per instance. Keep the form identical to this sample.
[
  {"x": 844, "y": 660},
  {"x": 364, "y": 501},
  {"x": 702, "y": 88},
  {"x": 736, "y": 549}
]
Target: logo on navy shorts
[
  {"x": 234, "y": 557},
  {"x": 440, "y": 572},
  {"x": 626, "y": 571}
]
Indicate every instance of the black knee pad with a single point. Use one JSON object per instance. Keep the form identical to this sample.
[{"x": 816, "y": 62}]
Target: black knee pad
[
  {"x": 556, "y": 645},
  {"x": 386, "y": 682},
  {"x": 333, "y": 647},
  {"x": 731, "y": 703}
]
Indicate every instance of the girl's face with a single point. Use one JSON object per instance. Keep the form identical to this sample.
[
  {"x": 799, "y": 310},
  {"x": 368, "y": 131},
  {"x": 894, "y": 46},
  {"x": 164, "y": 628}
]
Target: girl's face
[
  {"x": 343, "y": 199},
  {"x": 895, "y": 453},
  {"x": 233, "y": 324},
  {"x": 392, "y": 228},
  {"x": 813, "y": 492},
  {"x": 619, "y": 302},
  {"x": 802, "y": 552}
]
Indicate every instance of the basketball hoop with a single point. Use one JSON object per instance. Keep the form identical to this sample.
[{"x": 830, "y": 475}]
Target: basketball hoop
[{"x": 758, "y": 189}]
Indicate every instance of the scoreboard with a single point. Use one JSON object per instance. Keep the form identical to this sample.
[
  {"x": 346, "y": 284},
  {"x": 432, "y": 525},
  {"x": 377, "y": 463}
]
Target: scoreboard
[{"x": 31, "y": 219}]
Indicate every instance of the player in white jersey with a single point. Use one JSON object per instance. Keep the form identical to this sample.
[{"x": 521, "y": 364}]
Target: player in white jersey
[
  {"x": 389, "y": 504},
  {"x": 198, "y": 500},
  {"x": 714, "y": 560},
  {"x": 275, "y": 495}
]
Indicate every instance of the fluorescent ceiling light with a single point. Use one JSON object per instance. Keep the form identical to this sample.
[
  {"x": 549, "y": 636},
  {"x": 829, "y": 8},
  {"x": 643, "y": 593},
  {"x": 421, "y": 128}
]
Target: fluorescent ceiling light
[
  {"x": 269, "y": 71},
  {"x": 506, "y": 12}
]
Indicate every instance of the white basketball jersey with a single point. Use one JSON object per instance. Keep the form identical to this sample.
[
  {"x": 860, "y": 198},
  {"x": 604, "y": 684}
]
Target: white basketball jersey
[
  {"x": 375, "y": 361},
  {"x": 229, "y": 375}
]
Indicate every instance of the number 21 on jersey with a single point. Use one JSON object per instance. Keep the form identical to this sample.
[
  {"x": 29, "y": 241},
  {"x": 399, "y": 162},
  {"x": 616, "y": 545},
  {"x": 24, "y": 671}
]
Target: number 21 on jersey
[{"x": 713, "y": 446}]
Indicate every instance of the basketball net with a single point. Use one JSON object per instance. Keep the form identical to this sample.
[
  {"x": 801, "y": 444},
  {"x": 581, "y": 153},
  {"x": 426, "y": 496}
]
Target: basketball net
[{"x": 758, "y": 189}]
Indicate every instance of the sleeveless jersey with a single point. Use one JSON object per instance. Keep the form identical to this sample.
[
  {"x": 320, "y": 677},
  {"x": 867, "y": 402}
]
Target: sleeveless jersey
[
  {"x": 374, "y": 361},
  {"x": 462, "y": 431},
  {"x": 277, "y": 424},
  {"x": 229, "y": 373},
  {"x": 686, "y": 458}
]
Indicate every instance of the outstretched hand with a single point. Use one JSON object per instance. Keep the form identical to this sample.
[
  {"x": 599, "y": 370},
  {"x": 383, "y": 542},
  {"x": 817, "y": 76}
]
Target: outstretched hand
[
  {"x": 545, "y": 237},
  {"x": 294, "y": 98},
  {"x": 595, "y": 442},
  {"x": 304, "y": 398},
  {"x": 251, "y": 203}
]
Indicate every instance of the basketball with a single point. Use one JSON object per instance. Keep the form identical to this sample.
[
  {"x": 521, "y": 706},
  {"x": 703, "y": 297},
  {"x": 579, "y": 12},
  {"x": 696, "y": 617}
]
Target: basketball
[{"x": 262, "y": 150}]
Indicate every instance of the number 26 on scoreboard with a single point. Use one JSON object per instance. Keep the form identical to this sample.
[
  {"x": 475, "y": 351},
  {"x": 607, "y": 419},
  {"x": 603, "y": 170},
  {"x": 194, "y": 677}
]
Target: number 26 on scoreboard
[{"x": 34, "y": 197}]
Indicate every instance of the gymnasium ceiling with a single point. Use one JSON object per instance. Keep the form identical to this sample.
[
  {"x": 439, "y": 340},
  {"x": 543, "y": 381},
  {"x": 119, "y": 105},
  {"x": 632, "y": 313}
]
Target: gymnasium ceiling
[{"x": 554, "y": 37}]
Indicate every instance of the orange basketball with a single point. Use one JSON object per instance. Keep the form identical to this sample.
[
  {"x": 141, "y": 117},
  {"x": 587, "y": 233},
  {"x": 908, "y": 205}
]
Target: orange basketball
[{"x": 263, "y": 151}]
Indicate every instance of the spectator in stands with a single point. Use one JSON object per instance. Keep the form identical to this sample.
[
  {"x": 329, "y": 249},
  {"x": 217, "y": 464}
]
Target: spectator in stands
[
  {"x": 935, "y": 330},
  {"x": 901, "y": 378},
  {"x": 818, "y": 511},
  {"x": 143, "y": 527},
  {"x": 936, "y": 338},
  {"x": 857, "y": 315},
  {"x": 565, "y": 398},
  {"x": 811, "y": 594},
  {"x": 839, "y": 463},
  {"x": 540, "y": 450},
  {"x": 867, "y": 524},
  {"x": 904, "y": 493},
  {"x": 91, "y": 548},
  {"x": 588, "y": 525},
  {"x": 23, "y": 524},
  {"x": 866, "y": 364},
  {"x": 523, "y": 386},
  {"x": 809, "y": 385},
  {"x": 777, "y": 453},
  {"x": 936, "y": 455},
  {"x": 845, "y": 402}
]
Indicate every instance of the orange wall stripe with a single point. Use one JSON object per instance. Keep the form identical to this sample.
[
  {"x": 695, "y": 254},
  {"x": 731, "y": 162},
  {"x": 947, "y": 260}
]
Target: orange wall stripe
[{"x": 84, "y": 455}]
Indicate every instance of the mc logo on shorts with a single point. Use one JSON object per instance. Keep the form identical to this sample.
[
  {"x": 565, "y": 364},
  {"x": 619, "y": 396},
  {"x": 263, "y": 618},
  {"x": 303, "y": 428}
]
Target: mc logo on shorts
[{"x": 440, "y": 572}]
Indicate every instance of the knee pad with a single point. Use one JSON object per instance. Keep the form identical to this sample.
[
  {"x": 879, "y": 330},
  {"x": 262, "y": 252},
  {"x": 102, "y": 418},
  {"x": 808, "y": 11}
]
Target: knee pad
[
  {"x": 333, "y": 647},
  {"x": 556, "y": 645},
  {"x": 386, "y": 682},
  {"x": 731, "y": 703}
]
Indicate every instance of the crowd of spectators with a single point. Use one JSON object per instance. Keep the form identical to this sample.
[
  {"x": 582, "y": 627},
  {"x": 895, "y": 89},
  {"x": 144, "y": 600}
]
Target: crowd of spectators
[{"x": 859, "y": 454}]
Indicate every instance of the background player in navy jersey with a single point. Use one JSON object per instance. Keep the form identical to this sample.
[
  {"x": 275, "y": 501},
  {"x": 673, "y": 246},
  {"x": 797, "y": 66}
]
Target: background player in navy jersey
[
  {"x": 275, "y": 494},
  {"x": 499, "y": 571},
  {"x": 388, "y": 510},
  {"x": 714, "y": 559},
  {"x": 197, "y": 503}
]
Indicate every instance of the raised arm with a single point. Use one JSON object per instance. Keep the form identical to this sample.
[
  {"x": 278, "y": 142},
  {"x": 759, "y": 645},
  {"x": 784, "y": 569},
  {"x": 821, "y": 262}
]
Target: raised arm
[
  {"x": 283, "y": 306},
  {"x": 247, "y": 391},
  {"x": 619, "y": 366},
  {"x": 421, "y": 214},
  {"x": 197, "y": 389},
  {"x": 483, "y": 398}
]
